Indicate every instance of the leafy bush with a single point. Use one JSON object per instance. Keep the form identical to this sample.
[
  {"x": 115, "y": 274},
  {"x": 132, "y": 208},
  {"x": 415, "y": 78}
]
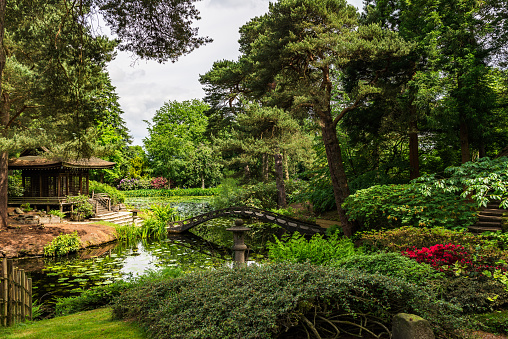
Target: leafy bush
[
  {"x": 82, "y": 206},
  {"x": 482, "y": 180},
  {"x": 116, "y": 196},
  {"x": 174, "y": 192},
  {"x": 26, "y": 207},
  {"x": 63, "y": 244},
  {"x": 493, "y": 322},
  {"x": 389, "y": 264},
  {"x": 317, "y": 250},
  {"x": 478, "y": 295},
  {"x": 404, "y": 205},
  {"x": 400, "y": 239},
  {"x": 57, "y": 213},
  {"x": 15, "y": 186},
  {"x": 268, "y": 300},
  {"x": 451, "y": 259},
  {"x": 159, "y": 183},
  {"x": 134, "y": 184}
]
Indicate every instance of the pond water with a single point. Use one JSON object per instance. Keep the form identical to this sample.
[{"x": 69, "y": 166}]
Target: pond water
[{"x": 209, "y": 245}]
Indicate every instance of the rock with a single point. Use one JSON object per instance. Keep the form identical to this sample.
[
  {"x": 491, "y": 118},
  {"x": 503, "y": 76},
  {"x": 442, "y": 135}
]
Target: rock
[
  {"x": 410, "y": 326},
  {"x": 32, "y": 219},
  {"x": 115, "y": 208},
  {"x": 122, "y": 206},
  {"x": 18, "y": 210},
  {"x": 12, "y": 214}
]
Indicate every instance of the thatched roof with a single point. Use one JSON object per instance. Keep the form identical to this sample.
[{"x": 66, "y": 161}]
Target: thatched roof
[{"x": 28, "y": 160}]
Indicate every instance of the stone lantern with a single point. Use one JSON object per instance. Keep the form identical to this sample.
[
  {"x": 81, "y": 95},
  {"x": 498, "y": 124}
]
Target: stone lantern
[{"x": 239, "y": 246}]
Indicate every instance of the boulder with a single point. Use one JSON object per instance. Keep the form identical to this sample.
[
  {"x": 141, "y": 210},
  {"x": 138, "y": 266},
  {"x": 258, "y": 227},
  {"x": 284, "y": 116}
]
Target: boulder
[
  {"x": 410, "y": 326},
  {"x": 18, "y": 210}
]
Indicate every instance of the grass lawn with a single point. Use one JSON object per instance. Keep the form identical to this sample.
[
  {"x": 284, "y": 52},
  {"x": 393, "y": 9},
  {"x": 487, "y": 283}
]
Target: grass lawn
[{"x": 90, "y": 324}]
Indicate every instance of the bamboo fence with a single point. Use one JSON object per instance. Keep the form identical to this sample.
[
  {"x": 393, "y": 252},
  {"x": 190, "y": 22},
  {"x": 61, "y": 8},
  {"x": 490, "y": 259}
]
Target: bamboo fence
[{"x": 15, "y": 294}]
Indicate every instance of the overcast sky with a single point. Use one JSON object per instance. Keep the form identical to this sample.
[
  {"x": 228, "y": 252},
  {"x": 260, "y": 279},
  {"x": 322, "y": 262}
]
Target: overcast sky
[{"x": 143, "y": 87}]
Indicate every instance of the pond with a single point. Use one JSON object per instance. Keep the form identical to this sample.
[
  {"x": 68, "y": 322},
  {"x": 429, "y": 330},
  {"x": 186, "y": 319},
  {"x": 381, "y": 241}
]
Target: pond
[{"x": 206, "y": 246}]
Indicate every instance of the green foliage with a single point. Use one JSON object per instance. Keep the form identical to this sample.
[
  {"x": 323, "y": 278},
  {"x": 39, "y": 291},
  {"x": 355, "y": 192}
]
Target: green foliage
[
  {"x": 90, "y": 299},
  {"x": 477, "y": 295},
  {"x": 63, "y": 245},
  {"x": 260, "y": 195},
  {"x": 391, "y": 265},
  {"x": 318, "y": 250},
  {"x": 26, "y": 207},
  {"x": 493, "y": 322},
  {"x": 57, "y": 213},
  {"x": 116, "y": 196},
  {"x": 483, "y": 180},
  {"x": 15, "y": 186},
  {"x": 176, "y": 133},
  {"x": 265, "y": 301},
  {"x": 83, "y": 208},
  {"x": 400, "y": 239},
  {"x": 174, "y": 192},
  {"x": 403, "y": 205}
]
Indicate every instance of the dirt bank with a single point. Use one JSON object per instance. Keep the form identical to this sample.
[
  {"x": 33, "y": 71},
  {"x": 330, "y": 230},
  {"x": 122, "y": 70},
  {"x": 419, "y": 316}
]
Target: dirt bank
[{"x": 27, "y": 240}]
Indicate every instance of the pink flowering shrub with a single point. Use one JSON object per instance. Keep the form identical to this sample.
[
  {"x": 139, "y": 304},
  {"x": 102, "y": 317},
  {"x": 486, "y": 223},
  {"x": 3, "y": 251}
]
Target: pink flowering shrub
[
  {"x": 451, "y": 259},
  {"x": 159, "y": 183}
]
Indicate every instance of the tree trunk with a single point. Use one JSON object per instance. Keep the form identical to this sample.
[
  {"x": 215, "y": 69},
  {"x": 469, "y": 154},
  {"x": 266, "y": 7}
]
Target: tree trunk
[
  {"x": 279, "y": 178},
  {"x": 464, "y": 142},
  {"x": 337, "y": 173},
  {"x": 203, "y": 181},
  {"x": 4, "y": 121},
  {"x": 414, "y": 163},
  {"x": 286, "y": 168}
]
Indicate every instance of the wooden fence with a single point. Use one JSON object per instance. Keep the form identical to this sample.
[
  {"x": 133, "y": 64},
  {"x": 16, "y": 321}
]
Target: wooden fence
[{"x": 15, "y": 294}]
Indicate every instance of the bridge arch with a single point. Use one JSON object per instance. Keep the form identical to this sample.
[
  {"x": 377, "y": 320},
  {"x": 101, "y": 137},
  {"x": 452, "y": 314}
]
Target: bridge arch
[{"x": 290, "y": 224}]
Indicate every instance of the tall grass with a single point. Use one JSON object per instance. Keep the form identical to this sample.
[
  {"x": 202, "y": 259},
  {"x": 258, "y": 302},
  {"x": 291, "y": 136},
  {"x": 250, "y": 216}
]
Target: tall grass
[{"x": 153, "y": 226}]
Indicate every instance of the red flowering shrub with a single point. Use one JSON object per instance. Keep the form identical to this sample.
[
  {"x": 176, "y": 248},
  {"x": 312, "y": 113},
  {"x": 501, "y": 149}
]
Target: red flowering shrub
[
  {"x": 159, "y": 183},
  {"x": 449, "y": 258}
]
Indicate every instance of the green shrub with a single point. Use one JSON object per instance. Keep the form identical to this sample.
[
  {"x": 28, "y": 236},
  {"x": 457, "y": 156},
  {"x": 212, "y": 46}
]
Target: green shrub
[
  {"x": 63, "y": 244},
  {"x": 390, "y": 264},
  {"x": 474, "y": 295},
  {"x": 493, "y": 322},
  {"x": 57, "y": 213},
  {"x": 26, "y": 207},
  {"x": 81, "y": 206},
  {"x": 268, "y": 300},
  {"x": 400, "y": 239},
  {"x": 116, "y": 196},
  {"x": 317, "y": 250},
  {"x": 15, "y": 185},
  {"x": 392, "y": 206}
]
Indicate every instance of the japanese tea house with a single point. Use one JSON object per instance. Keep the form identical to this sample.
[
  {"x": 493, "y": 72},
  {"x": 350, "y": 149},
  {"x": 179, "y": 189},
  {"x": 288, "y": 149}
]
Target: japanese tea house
[{"x": 47, "y": 182}]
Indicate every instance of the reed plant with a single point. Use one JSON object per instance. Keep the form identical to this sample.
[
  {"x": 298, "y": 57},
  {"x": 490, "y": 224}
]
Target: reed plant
[{"x": 154, "y": 225}]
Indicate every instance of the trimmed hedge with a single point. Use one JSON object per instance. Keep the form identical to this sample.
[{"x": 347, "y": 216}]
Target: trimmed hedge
[
  {"x": 266, "y": 301},
  {"x": 174, "y": 192}
]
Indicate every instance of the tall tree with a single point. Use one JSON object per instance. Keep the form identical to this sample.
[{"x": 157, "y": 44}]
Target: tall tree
[
  {"x": 298, "y": 50},
  {"x": 49, "y": 54}
]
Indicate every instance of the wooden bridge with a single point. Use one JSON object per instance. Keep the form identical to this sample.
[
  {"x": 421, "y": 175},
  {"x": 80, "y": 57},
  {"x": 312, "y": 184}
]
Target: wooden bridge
[{"x": 290, "y": 224}]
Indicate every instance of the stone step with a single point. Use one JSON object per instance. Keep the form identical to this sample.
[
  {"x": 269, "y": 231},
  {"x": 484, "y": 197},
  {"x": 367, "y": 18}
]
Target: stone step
[
  {"x": 487, "y": 224},
  {"x": 479, "y": 229},
  {"x": 490, "y": 218},
  {"x": 493, "y": 212}
]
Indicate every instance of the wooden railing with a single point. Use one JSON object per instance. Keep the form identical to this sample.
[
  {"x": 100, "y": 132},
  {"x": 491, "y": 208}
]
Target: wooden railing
[
  {"x": 15, "y": 294},
  {"x": 285, "y": 222},
  {"x": 101, "y": 199}
]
